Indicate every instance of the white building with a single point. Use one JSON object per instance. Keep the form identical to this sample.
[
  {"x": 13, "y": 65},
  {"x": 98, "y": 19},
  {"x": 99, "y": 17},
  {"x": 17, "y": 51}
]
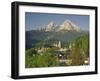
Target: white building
[{"x": 58, "y": 44}]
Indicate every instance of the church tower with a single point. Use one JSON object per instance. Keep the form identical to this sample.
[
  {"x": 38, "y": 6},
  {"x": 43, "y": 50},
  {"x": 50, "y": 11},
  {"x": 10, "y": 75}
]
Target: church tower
[{"x": 59, "y": 44}]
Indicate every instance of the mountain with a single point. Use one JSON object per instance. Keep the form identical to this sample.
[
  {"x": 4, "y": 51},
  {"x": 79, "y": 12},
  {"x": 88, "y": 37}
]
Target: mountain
[
  {"x": 50, "y": 27},
  {"x": 47, "y": 35},
  {"x": 67, "y": 25}
]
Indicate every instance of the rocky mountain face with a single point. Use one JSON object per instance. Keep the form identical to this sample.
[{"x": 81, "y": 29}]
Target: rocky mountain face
[
  {"x": 50, "y": 27},
  {"x": 67, "y": 25}
]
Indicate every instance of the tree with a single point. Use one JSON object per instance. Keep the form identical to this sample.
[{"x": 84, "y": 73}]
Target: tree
[
  {"x": 47, "y": 59},
  {"x": 80, "y": 50},
  {"x": 76, "y": 57},
  {"x": 31, "y": 52}
]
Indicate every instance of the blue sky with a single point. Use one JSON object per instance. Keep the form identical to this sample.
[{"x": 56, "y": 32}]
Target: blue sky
[{"x": 38, "y": 20}]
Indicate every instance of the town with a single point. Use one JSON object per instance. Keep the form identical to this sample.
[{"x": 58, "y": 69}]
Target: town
[{"x": 62, "y": 53}]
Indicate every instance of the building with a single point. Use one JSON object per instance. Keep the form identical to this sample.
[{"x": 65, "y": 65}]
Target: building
[
  {"x": 57, "y": 44},
  {"x": 41, "y": 50}
]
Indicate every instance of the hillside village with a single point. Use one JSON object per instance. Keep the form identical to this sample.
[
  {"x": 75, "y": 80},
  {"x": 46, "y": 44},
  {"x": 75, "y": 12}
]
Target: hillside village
[{"x": 63, "y": 53}]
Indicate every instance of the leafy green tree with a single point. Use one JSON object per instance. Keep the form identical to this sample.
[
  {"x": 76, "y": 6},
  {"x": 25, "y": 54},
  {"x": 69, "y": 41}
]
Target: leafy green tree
[
  {"x": 80, "y": 50},
  {"x": 76, "y": 56},
  {"x": 31, "y": 52}
]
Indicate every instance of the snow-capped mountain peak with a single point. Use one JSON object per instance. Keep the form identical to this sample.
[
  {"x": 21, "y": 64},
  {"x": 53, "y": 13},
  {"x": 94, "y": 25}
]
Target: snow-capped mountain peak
[
  {"x": 50, "y": 26},
  {"x": 68, "y": 26}
]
